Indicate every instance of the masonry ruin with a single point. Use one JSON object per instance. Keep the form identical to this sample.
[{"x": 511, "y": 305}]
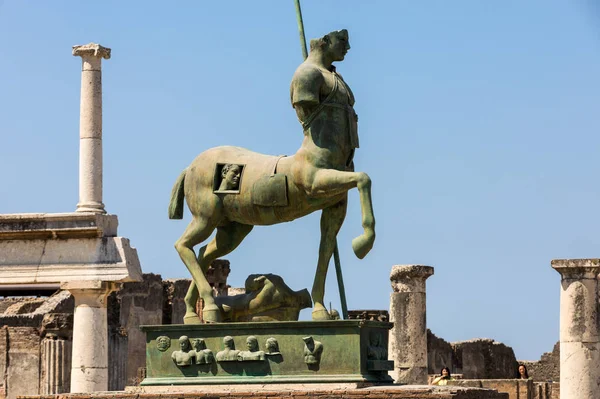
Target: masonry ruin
[{"x": 36, "y": 340}]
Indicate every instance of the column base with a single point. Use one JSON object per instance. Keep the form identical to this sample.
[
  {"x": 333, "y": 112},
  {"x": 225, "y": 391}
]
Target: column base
[{"x": 91, "y": 207}]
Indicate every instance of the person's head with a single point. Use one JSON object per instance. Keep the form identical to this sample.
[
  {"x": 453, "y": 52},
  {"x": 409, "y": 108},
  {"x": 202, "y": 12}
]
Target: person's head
[
  {"x": 199, "y": 344},
  {"x": 523, "y": 371},
  {"x": 228, "y": 342},
  {"x": 445, "y": 372},
  {"x": 334, "y": 45},
  {"x": 230, "y": 175},
  {"x": 252, "y": 343},
  {"x": 184, "y": 342},
  {"x": 272, "y": 345},
  {"x": 335, "y": 315},
  {"x": 310, "y": 342}
]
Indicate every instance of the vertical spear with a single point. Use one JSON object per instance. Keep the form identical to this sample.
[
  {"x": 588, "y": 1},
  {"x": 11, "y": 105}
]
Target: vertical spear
[
  {"x": 336, "y": 253},
  {"x": 301, "y": 29}
]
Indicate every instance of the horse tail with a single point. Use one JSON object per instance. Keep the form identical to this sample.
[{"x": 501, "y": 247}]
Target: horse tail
[{"x": 177, "y": 195}]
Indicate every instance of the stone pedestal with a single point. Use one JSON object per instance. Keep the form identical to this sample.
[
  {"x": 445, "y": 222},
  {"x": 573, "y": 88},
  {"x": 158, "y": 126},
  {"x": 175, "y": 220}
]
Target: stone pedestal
[
  {"x": 284, "y": 352},
  {"x": 89, "y": 367},
  {"x": 579, "y": 329},
  {"x": 408, "y": 338},
  {"x": 90, "y": 127}
]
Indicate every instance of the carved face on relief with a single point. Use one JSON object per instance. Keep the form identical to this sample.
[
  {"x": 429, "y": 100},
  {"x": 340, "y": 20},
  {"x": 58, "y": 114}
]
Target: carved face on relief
[
  {"x": 184, "y": 343},
  {"x": 272, "y": 345},
  {"x": 228, "y": 342},
  {"x": 199, "y": 344},
  {"x": 339, "y": 44},
  {"x": 231, "y": 177},
  {"x": 252, "y": 344},
  {"x": 163, "y": 343}
]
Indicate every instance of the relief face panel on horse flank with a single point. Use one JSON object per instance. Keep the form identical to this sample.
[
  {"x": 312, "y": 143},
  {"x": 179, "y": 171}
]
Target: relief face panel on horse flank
[{"x": 228, "y": 178}]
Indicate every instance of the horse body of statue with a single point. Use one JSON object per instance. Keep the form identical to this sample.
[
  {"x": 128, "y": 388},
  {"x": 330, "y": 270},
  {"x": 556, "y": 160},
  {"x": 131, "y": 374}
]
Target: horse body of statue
[{"x": 232, "y": 189}]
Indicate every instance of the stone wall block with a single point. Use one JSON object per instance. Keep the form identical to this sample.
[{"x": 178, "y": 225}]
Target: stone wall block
[{"x": 24, "y": 351}]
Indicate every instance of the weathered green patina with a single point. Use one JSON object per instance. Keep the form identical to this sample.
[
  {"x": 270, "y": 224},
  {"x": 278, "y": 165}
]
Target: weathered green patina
[
  {"x": 312, "y": 351},
  {"x": 232, "y": 189}
]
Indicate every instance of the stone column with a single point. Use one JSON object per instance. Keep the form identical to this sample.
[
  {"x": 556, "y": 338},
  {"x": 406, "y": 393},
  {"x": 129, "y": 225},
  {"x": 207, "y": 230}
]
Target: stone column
[
  {"x": 408, "y": 338},
  {"x": 90, "y": 127},
  {"x": 89, "y": 367},
  {"x": 579, "y": 335},
  {"x": 56, "y": 361},
  {"x": 57, "y": 333}
]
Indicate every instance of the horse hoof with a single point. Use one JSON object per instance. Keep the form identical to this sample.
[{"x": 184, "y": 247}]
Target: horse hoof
[
  {"x": 191, "y": 318},
  {"x": 321, "y": 314},
  {"x": 211, "y": 315},
  {"x": 362, "y": 244}
]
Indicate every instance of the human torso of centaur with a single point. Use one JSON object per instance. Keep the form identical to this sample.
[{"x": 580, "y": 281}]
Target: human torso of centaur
[
  {"x": 330, "y": 138},
  {"x": 324, "y": 104}
]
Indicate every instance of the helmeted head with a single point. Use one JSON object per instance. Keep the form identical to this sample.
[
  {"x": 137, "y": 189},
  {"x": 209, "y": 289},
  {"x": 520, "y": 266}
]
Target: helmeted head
[{"x": 334, "y": 44}]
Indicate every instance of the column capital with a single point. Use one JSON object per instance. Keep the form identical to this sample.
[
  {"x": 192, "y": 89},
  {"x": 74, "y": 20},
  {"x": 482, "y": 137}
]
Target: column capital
[
  {"x": 89, "y": 285},
  {"x": 90, "y": 293},
  {"x": 577, "y": 268},
  {"x": 93, "y": 50},
  {"x": 402, "y": 273}
]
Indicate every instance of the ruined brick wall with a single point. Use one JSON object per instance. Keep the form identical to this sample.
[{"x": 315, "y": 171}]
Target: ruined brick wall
[
  {"x": 23, "y": 376},
  {"x": 174, "y": 291},
  {"x": 515, "y": 388},
  {"x": 439, "y": 354},
  {"x": 473, "y": 359},
  {"x": 484, "y": 358},
  {"x": 139, "y": 303},
  {"x": 25, "y": 322},
  {"x": 547, "y": 368}
]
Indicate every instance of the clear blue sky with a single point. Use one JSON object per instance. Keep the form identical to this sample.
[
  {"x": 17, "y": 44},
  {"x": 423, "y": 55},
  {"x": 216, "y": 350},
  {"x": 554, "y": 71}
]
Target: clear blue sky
[{"x": 479, "y": 125}]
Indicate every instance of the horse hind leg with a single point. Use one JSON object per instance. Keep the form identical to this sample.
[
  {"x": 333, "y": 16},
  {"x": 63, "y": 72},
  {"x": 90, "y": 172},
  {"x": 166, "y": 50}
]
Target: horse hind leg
[
  {"x": 331, "y": 222},
  {"x": 331, "y": 182},
  {"x": 226, "y": 240},
  {"x": 197, "y": 231}
]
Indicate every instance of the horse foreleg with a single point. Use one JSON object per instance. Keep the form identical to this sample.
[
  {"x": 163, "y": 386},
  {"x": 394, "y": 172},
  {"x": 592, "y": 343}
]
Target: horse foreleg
[
  {"x": 197, "y": 231},
  {"x": 331, "y": 222},
  {"x": 330, "y": 182},
  {"x": 226, "y": 240}
]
